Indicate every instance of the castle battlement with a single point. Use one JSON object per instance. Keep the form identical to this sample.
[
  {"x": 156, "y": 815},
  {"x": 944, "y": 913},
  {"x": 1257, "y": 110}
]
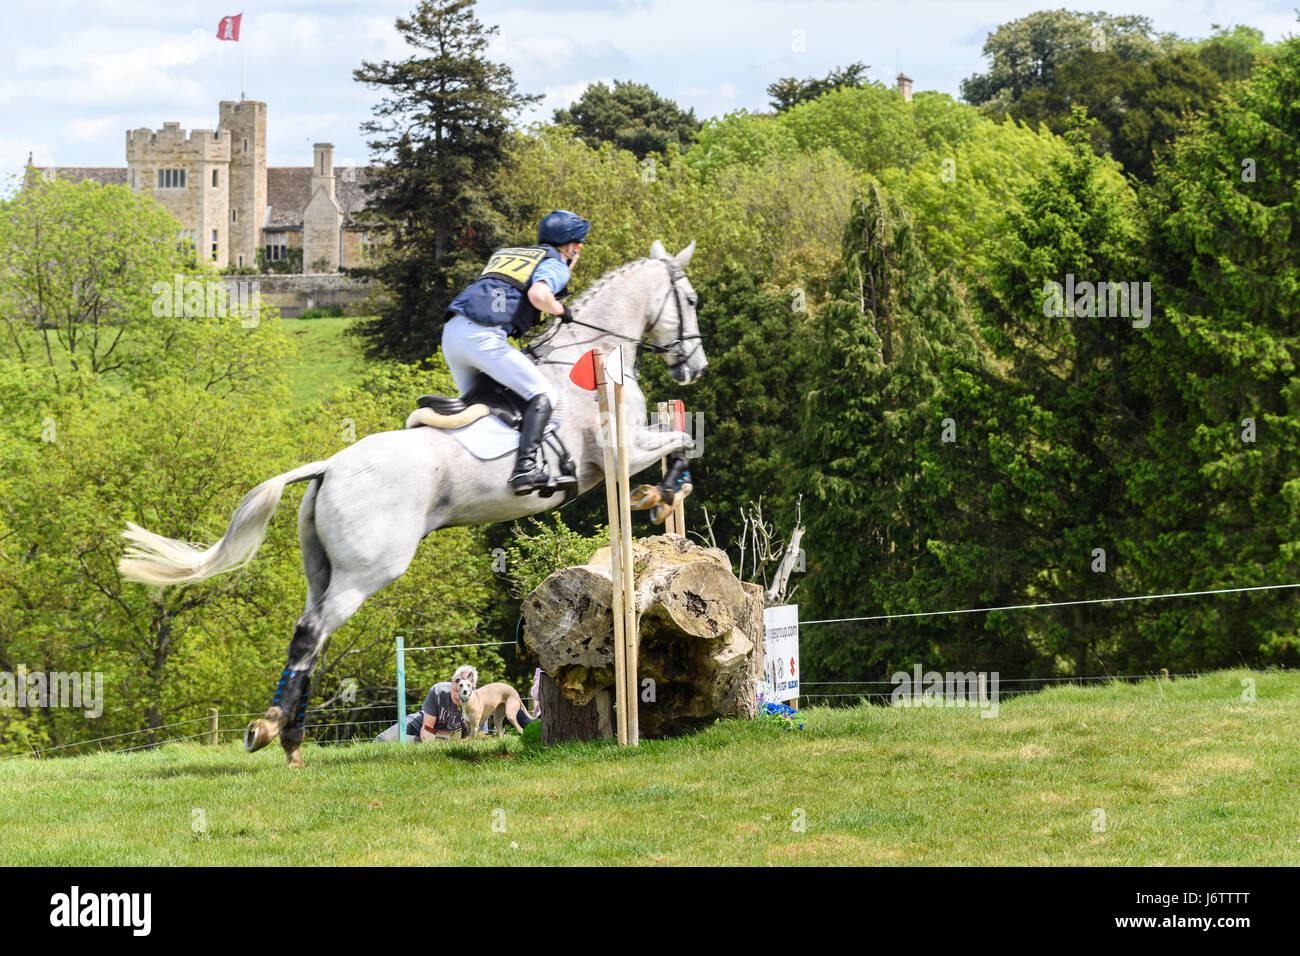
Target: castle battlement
[{"x": 173, "y": 143}]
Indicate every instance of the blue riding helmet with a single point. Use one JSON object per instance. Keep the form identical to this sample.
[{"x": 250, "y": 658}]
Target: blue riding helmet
[{"x": 562, "y": 226}]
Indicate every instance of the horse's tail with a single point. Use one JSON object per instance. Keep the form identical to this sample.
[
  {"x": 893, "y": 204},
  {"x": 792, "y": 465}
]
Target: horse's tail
[{"x": 153, "y": 559}]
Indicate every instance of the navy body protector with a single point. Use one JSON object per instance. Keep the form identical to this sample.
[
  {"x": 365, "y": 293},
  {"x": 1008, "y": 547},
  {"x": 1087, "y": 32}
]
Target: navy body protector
[{"x": 499, "y": 296}]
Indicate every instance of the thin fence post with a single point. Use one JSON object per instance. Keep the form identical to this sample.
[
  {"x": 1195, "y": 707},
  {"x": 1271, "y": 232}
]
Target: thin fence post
[
  {"x": 213, "y": 718},
  {"x": 401, "y": 690}
]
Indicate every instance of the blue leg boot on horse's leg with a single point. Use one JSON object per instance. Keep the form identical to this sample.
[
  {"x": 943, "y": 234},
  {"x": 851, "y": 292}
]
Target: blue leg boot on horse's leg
[{"x": 530, "y": 472}]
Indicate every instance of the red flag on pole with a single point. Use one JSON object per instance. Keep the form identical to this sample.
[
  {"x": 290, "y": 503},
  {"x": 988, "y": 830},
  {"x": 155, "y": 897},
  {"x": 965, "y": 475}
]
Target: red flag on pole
[{"x": 228, "y": 28}]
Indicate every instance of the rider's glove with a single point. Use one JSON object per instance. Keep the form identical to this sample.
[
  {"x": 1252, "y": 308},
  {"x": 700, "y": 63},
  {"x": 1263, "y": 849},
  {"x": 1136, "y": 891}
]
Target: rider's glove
[{"x": 566, "y": 315}]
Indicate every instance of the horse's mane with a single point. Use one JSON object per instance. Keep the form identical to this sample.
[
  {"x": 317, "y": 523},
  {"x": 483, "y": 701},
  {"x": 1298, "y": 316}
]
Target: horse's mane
[{"x": 596, "y": 287}]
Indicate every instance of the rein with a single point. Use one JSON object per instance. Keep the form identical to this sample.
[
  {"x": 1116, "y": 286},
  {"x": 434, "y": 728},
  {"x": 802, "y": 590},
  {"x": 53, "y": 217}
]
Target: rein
[{"x": 675, "y": 273}]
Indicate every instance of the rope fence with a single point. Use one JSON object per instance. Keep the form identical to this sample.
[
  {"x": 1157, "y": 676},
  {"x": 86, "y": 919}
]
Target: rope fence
[
  {"x": 1032, "y": 607},
  {"x": 214, "y": 731}
]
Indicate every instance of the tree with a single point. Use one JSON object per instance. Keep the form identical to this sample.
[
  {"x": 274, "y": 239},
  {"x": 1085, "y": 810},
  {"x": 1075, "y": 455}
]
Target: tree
[
  {"x": 1027, "y": 52},
  {"x": 789, "y": 91},
  {"x": 748, "y": 401},
  {"x": 870, "y": 126},
  {"x": 1221, "y": 499},
  {"x": 631, "y": 116},
  {"x": 1062, "y": 415},
  {"x": 960, "y": 193},
  {"x": 89, "y": 280},
  {"x": 441, "y": 132},
  {"x": 876, "y": 358},
  {"x": 1139, "y": 107}
]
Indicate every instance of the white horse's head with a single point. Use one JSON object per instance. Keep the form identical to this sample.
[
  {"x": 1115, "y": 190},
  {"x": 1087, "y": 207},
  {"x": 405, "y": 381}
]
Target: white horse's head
[{"x": 672, "y": 322}]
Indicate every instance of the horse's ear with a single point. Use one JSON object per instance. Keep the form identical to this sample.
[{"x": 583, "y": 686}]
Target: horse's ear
[
  {"x": 657, "y": 250},
  {"x": 683, "y": 258}
]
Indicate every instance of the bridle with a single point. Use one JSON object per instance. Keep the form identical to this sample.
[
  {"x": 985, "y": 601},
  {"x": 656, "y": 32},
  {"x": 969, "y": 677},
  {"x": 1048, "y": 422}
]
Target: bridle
[{"x": 675, "y": 274}]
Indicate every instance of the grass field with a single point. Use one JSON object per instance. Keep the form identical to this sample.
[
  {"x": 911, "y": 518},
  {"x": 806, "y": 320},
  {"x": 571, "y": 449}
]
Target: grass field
[
  {"x": 326, "y": 357},
  {"x": 1185, "y": 771}
]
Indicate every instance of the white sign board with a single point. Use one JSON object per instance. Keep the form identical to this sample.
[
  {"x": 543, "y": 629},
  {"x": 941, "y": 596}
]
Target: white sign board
[{"x": 781, "y": 652}]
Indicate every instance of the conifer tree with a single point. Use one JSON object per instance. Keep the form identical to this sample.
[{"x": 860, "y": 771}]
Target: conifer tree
[{"x": 440, "y": 136}]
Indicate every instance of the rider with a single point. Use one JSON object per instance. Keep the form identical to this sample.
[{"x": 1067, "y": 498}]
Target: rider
[{"x": 516, "y": 285}]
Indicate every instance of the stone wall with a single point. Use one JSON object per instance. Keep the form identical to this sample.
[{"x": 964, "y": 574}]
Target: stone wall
[{"x": 295, "y": 294}]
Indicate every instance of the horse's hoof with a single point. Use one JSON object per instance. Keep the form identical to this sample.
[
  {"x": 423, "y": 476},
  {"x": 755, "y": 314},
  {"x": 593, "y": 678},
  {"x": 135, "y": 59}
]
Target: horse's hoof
[
  {"x": 293, "y": 758},
  {"x": 262, "y": 731},
  {"x": 644, "y": 497}
]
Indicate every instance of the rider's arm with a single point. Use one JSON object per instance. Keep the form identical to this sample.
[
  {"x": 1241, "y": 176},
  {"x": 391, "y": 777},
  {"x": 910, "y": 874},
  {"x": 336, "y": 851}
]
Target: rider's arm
[{"x": 541, "y": 296}]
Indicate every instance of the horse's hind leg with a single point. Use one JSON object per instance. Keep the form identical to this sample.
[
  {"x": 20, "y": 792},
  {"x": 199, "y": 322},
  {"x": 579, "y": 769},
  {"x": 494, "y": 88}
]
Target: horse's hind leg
[
  {"x": 278, "y": 720},
  {"x": 288, "y": 710}
]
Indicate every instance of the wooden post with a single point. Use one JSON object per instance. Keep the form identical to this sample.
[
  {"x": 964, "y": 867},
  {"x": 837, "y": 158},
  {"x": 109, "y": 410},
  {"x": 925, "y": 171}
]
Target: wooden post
[
  {"x": 665, "y": 421},
  {"x": 212, "y": 725},
  {"x": 630, "y": 694},
  {"x": 612, "y": 491},
  {"x": 679, "y": 509}
]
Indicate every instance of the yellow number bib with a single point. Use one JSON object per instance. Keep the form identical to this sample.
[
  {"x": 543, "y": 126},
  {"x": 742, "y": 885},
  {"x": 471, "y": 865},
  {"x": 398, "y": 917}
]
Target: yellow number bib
[{"x": 513, "y": 265}]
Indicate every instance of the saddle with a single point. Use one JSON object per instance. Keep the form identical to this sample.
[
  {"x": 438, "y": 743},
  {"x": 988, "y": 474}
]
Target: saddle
[{"x": 486, "y": 396}]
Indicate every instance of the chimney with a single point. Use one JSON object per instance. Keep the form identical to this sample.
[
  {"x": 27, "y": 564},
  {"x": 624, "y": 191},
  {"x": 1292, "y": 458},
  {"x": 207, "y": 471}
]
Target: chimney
[
  {"x": 322, "y": 171},
  {"x": 905, "y": 87}
]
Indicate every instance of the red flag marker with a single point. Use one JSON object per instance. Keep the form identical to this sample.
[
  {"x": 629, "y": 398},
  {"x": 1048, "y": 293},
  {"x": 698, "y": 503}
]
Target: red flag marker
[{"x": 583, "y": 373}]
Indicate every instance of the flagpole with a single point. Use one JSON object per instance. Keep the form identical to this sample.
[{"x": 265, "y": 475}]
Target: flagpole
[{"x": 242, "y": 46}]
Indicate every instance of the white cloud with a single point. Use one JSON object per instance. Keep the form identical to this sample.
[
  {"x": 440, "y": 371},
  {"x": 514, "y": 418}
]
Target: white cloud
[{"x": 84, "y": 129}]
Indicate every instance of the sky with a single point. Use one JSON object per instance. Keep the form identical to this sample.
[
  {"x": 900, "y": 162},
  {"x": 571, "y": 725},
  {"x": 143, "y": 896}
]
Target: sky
[{"x": 82, "y": 73}]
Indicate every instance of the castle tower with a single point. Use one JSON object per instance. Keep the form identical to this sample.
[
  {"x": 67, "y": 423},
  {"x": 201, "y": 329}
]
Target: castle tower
[
  {"x": 322, "y": 219},
  {"x": 244, "y": 123},
  {"x": 188, "y": 176},
  {"x": 905, "y": 87}
]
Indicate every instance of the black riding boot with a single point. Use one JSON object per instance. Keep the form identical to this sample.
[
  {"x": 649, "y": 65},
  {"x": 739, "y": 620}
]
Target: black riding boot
[{"x": 530, "y": 466}]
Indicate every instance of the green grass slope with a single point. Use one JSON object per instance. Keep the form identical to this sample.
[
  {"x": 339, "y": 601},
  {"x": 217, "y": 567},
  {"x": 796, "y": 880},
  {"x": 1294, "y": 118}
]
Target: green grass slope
[
  {"x": 1185, "y": 772},
  {"x": 326, "y": 358}
]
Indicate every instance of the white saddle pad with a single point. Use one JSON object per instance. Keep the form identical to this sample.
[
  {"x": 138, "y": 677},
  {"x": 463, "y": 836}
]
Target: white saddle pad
[{"x": 487, "y": 438}]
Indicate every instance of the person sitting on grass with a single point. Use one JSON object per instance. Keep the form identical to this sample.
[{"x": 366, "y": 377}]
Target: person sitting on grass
[{"x": 440, "y": 717}]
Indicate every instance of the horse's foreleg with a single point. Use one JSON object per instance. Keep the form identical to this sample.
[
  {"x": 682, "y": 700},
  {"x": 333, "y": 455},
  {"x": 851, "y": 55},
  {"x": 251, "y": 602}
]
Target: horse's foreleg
[{"x": 649, "y": 446}]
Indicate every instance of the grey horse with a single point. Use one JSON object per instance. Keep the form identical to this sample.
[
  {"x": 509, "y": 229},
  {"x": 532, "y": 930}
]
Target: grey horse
[{"x": 367, "y": 507}]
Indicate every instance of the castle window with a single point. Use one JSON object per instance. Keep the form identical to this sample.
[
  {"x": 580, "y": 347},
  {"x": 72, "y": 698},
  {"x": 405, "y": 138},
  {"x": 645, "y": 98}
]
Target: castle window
[
  {"x": 171, "y": 179},
  {"x": 234, "y": 215},
  {"x": 214, "y": 243},
  {"x": 245, "y": 145},
  {"x": 187, "y": 239},
  {"x": 214, "y": 179},
  {"x": 276, "y": 247}
]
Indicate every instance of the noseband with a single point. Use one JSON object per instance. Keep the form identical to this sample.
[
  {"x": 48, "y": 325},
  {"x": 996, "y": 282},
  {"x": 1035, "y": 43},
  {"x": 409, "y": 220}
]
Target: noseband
[{"x": 675, "y": 273}]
